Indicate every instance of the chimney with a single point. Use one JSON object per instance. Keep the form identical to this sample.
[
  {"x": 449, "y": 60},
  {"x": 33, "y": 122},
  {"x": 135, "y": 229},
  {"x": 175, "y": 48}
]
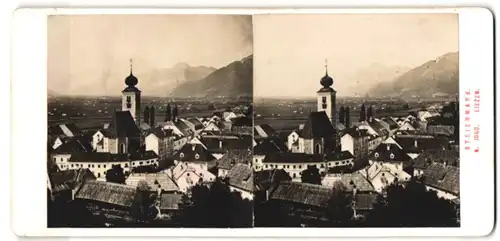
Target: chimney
[
  {"x": 220, "y": 144},
  {"x": 415, "y": 143}
]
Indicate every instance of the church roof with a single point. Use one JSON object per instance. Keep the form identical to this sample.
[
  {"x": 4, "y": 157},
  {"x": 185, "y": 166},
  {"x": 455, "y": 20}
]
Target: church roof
[
  {"x": 122, "y": 125},
  {"x": 318, "y": 125}
]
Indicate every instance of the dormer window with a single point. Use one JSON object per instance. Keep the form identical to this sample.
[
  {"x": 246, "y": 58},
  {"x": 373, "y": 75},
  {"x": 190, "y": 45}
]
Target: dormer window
[{"x": 181, "y": 155}]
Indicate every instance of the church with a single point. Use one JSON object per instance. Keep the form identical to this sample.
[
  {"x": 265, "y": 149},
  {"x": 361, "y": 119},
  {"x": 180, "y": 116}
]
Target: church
[{"x": 318, "y": 136}]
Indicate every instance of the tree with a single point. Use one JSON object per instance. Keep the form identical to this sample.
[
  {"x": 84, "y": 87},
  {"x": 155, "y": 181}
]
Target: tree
[
  {"x": 144, "y": 208},
  {"x": 115, "y": 174},
  {"x": 347, "y": 121},
  {"x": 369, "y": 113},
  {"x": 311, "y": 175},
  {"x": 339, "y": 210},
  {"x": 214, "y": 206},
  {"x": 168, "y": 113},
  {"x": 175, "y": 112},
  {"x": 342, "y": 115},
  {"x": 412, "y": 205},
  {"x": 152, "y": 116},
  {"x": 362, "y": 114},
  {"x": 146, "y": 114}
]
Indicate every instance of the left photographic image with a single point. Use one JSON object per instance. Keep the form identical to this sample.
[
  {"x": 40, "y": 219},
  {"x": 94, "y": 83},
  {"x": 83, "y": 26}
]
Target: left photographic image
[{"x": 149, "y": 121}]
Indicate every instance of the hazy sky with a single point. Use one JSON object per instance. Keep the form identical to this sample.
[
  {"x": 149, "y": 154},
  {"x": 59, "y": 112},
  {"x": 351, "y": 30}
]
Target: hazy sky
[
  {"x": 290, "y": 50},
  {"x": 86, "y": 51}
]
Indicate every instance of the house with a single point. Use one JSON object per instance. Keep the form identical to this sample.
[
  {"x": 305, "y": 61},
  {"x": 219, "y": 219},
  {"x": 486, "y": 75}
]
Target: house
[
  {"x": 390, "y": 153},
  {"x": 228, "y": 116},
  {"x": 64, "y": 184},
  {"x": 122, "y": 135},
  {"x": 444, "y": 179},
  {"x": 187, "y": 175},
  {"x": 415, "y": 144},
  {"x": 219, "y": 144},
  {"x": 293, "y": 142},
  {"x": 97, "y": 162},
  {"x": 61, "y": 155},
  {"x": 230, "y": 159},
  {"x": 240, "y": 179},
  {"x": 213, "y": 127},
  {"x": 143, "y": 158},
  {"x": 263, "y": 131},
  {"x": 161, "y": 142},
  {"x": 195, "y": 154},
  {"x": 423, "y": 115},
  {"x": 407, "y": 126},
  {"x": 181, "y": 130},
  {"x": 242, "y": 125},
  {"x": 441, "y": 126},
  {"x": 195, "y": 124},
  {"x": 355, "y": 141},
  {"x": 263, "y": 148},
  {"x": 295, "y": 163},
  {"x": 158, "y": 182},
  {"x": 376, "y": 131},
  {"x": 390, "y": 125},
  {"x": 382, "y": 175},
  {"x": 350, "y": 181},
  {"x": 428, "y": 157},
  {"x": 107, "y": 196}
]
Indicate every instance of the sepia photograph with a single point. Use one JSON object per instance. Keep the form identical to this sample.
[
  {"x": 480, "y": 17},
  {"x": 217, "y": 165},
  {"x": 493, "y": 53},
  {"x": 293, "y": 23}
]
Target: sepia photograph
[
  {"x": 356, "y": 120},
  {"x": 150, "y": 121}
]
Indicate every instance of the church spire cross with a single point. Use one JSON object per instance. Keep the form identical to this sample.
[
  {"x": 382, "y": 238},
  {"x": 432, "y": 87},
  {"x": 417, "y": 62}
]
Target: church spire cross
[
  {"x": 326, "y": 66},
  {"x": 130, "y": 66}
]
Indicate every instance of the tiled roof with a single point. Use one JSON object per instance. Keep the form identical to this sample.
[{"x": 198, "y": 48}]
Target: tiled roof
[
  {"x": 241, "y": 176},
  {"x": 97, "y": 157},
  {"x": 389, "y": 152},
  {"x": 193, "y": 152},
  {"x": 143, "y": 155},
  {"x": 377, "y": 127},
  {"x": 170, "y": 201},
  {"x": 269, "y": 145},
  {"x": 69, "y": 179},
  {"x": 229, "y": 142},
  {"x": 336, "y": 156},
  {"x": 122, "y": 125},
  {"x": 242, "y": 121},
  {"x": 318, "y": 125},
  {"x": 445, "y": 178},
  {"x": 290, "y": 157},
  {"x": 183, "y": 127},
  {"x": 264, "y": 131},
  {"x": 264, "y": 179},
  {"x": 392, "y": 124},
  {"x": 154, "y": 181},
  {"x": 57, "y": 130},
  {"x": 107, "y": 192},
  {"x": 302, "y": 193},
  {"x": 353, "y": 180},
  {"x": 354, "y": 132},
  {"x": 230, "y": 158},
  {"x": 72, "y": 145},
  {"x": 451, "y": 157},
  {"x": 161, "y": 133},
  {"x": 197, "y": 123},
  {"x": 417, "y": 143}
]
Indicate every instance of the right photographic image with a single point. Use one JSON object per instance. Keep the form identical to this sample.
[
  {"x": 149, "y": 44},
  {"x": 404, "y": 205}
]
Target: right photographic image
[{"x": 356, "y": 120}]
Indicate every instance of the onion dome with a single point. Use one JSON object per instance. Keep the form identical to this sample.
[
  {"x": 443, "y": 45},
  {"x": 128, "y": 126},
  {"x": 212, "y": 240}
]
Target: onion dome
[
  {"x": 131, "y": 80},
  {"x": 326, "y": 81}
]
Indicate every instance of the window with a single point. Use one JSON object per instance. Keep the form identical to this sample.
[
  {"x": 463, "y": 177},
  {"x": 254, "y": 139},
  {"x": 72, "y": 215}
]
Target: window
[
  {"x": 104, "y": 165},
  {"x": 322, "y": 166},
  {"x": 140, "y": 163},
  {"x": 294, "y": 175},
  {"x": 323, "y": 99},
  {"x": 71, "y": 165},
  {"x": 294, "y": 166},
  {"x": 300, "y": 166},
  {"x": 266, "y": 166},
  {"x": 98, "y": 174},
  {"x": 197, "y": 156},
  {"x": 392, "y": 156},
  {"x": 376, "y": 155},
  {"x": 122, "y": 148},
  {"x": 126, "y": 165},
  {"x": 188, "y": 174},
  {"x": 89, "y": 165},
  {"x": 98, "y": 166},
  {"x": 181, "y": 155},
  {"x": 316, "y": 149}
]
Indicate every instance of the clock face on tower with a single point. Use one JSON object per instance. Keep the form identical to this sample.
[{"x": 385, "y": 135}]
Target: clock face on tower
[{"x": 128, "y": 102}]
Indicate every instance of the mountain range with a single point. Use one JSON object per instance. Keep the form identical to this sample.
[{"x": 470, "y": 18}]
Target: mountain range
[
  {"x": 435, "y": 76},
  {"x": 235, "y": 79}
]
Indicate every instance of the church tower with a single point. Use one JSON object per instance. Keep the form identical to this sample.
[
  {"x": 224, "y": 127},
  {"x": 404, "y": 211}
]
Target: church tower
[
  {"x": 326, "y": 98},
  {"x": 131, "y": 97}
]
